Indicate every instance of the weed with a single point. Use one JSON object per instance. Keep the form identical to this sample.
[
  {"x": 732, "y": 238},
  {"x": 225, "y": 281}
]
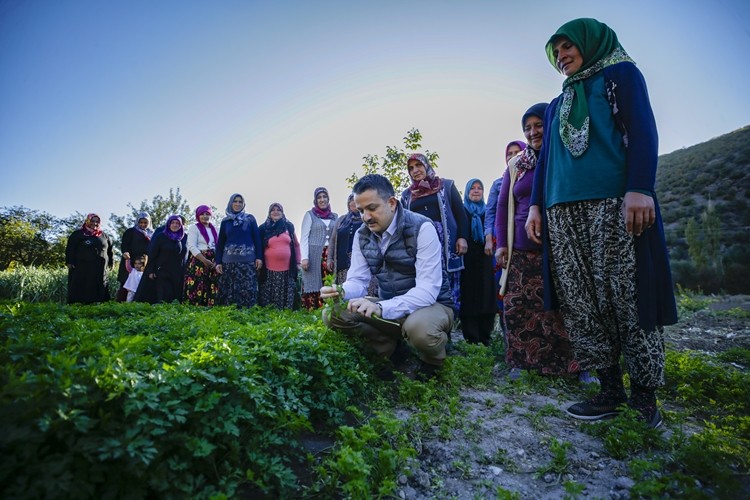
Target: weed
[
  {"x": 625, "y": 435},
  {"x": 573, "y": 490},
  {"x": 559, "y": 464}
]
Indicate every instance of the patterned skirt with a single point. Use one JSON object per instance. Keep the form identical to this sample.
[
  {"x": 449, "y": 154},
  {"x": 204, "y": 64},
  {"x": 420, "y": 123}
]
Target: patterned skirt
[
  {"x": 201, "y": 283},
  {"x": 278, "y": 290},
  {"x": 536, "y": 339},
  {"x": 312, "y": 300},
  {"x": 238, "y": 285},
  {"x": 594, "y": 269}
]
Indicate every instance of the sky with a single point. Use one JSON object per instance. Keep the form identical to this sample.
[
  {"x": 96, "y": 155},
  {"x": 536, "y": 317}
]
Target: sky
[{"x": 105, "y": 103}]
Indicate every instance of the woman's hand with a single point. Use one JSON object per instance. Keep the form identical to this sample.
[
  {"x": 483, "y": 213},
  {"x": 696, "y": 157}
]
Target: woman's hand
[
  {"x": 126, "y": 255},
  {"x": 638, "y": 211},
  {"x": 305, "y": 265},
  {"x": 501, "y": 256},
  {"x": 219, "y": 269},
  {"x": 329, "y": 266},
  {"x": 152, "y": 276},
  {"x": 461, "y": 246},
  {"x": 534, "y": 224},
  {"x": 71, "y": 266},
  {"x": 488, "y": 244},
  {"x": 258, "y": 264}
]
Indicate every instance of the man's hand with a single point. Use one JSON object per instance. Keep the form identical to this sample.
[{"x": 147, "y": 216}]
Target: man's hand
[
  {"x": 534, "y": 224},
  {"x": 365, "y": 307},
  {"x": 638, "y": 211},
  {"x": 328, "y": 292}
]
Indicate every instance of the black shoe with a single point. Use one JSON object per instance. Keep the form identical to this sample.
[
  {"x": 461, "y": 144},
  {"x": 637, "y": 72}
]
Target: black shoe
[
  {"x": 654, "y": 420},
  {"x": 596, "y": 408}
]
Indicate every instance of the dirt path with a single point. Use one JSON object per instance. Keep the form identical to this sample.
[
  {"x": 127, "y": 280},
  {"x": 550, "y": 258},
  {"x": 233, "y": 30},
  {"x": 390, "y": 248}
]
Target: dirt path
[{"x": 509, "y": 436}]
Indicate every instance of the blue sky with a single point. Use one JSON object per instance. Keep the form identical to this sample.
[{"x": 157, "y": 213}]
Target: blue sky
[{"x": 104, "y": 103}]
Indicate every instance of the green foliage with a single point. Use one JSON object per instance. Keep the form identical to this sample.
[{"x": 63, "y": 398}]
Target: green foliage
[
  {"x": 30, "y": 237},
  {"x": 686, "y": 180},
  {"x": 133, "y": 400},
  {"x": 39, "y": 284},
  {"x": 690, "y": 302},
  {"x": 625, "y": 435},
  {"x": 393, "y": 164},
  {"x": 559, "y": 464},
  {"x": 367, "y": 460}
]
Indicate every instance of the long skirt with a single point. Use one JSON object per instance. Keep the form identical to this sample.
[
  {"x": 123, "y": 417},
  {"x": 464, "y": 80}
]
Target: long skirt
[
  {"x": 201, "y": 283},
  {"x": 278, "y": 290},
  {"x": 312, "y": 300},
  {"x": 238, "y": 285},
  {"x": 536, "y": 339},
  {"x": 594, "y": 270}
]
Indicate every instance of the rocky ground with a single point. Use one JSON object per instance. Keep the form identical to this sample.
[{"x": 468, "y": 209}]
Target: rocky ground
[{"x": 507, "y": 441}]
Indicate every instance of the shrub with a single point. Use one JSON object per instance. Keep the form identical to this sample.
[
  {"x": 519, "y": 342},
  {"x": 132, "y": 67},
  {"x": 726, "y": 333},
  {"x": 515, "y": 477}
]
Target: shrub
[{"x": 132, "y": 400}]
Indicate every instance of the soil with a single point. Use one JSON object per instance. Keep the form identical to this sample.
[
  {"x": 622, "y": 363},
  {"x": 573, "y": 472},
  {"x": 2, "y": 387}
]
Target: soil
[{"x": 506, "y": 444}]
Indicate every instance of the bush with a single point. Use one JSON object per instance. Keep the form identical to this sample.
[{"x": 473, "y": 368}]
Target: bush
[{"x": 133, "y": 400}]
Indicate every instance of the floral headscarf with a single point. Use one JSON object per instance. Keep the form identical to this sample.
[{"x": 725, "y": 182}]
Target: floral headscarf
[
  {"x": 89, "y": 231},
  {"x": 237, "y": 218},
  {"x": 520, "y": 144},
  {"x": 322, "y": 213},
  {"x": 202, "y": 209},
  {"x": 148, "y": 232},
  {"x": 174, "y": 235},
  {"x": 527, "y": 159},
  {"x": 599, "y": 48},
  {"x": 476, "y": 209},
  {"x": 430, "y": 184}
]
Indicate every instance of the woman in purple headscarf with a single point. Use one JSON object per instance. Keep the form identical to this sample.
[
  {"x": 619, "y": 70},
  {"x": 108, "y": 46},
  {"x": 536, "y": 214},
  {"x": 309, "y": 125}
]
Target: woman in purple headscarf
[
  {"x": 201, "y": 280},
  {"x": 165, "y": 259},
  {"x": 317, "y": 227}
]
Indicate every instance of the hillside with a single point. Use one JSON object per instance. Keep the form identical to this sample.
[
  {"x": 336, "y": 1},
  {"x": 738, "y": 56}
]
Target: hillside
[{"x": 716, "y": 171}]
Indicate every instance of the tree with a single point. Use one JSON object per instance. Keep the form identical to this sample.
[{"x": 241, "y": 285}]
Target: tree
[
  {"x": 159, "y": 209},
  {"x": 32, "y": 238},
  {"x": 393, "y": 164},
  {"x": 704, "y": 241}
]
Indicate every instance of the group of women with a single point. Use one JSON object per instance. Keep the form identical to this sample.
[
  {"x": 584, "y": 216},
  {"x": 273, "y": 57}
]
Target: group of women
[{"x": 573, "y": 224}]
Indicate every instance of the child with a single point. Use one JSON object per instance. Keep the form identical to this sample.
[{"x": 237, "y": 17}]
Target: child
[{"x": 134, "y": 275}]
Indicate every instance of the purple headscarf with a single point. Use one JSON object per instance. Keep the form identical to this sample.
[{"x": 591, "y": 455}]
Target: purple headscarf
[
  {"x": 323, "y": 214},
  {"x": 174, "y": 235},
  {"x": 200, "y": 211}
]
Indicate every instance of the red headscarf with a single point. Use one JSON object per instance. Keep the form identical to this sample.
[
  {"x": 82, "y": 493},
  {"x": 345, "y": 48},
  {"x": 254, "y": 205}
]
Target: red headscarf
[
  {"x": 430, "y": 184},
  {"x": 89, "y": 231}
]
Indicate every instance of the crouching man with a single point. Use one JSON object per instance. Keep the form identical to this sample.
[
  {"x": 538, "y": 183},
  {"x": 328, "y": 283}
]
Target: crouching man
[{"x": 402, "y": 250}]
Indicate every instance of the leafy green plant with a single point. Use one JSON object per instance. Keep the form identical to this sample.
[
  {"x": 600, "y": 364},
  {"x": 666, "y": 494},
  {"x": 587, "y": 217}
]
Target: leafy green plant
[
  {"x": 559, "y": 464},
  {"x": 138, "y": 400},
  {"x": 625, "y": 435}
]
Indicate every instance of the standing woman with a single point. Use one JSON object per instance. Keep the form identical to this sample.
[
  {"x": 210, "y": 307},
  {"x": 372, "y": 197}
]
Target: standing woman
[
  {"x": 281, "y": 255},
  {"x": 438, "y": 199},
  {"x": 239, "y": 256},
  {"x": 317, "y": 227},
  {"x": 165, "y": 258},
  {"x": 478, "y": 304},
  {"x": 88, "y": 256},
  {"x": 595, "y": 209},
  {"x": 201, "y": 280},
  {"x": 135, "y": 241},
  {"x": 535, "y": 339}
]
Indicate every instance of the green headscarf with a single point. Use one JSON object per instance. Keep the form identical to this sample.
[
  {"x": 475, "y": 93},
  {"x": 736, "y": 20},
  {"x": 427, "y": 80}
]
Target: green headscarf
[{"x": 599, "y": 48}]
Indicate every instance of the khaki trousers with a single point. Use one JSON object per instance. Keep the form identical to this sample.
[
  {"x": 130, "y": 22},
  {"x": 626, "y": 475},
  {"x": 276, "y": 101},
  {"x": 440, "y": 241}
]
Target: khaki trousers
[{"x": 426, "y": 329}]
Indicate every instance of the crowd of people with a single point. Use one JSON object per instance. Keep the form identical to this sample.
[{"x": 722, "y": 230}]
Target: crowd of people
[{"x": 568, "y": 249}]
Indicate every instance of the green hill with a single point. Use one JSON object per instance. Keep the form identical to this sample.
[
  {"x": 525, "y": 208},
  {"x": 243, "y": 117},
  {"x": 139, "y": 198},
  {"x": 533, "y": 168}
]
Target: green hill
[{"x": 690, "y": 182}]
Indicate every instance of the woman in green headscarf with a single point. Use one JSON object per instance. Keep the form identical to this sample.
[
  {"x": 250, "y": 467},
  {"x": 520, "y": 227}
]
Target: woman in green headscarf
[{"x": 594, "y": 209}]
